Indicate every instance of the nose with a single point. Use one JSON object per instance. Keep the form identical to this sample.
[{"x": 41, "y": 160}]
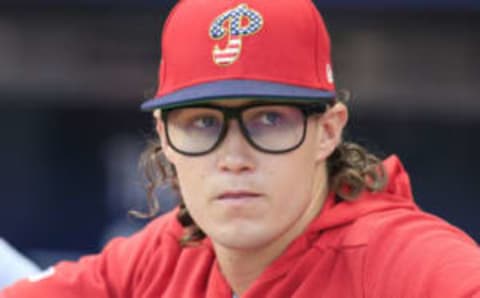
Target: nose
[{"x": 235, "y": 155}]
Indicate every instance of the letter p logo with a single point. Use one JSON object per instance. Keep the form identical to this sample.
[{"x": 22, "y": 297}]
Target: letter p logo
[{"x": 233, "y": 24}]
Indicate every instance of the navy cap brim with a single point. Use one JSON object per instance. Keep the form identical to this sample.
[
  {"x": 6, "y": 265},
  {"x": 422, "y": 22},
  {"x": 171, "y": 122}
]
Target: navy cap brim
[{"x": 235, "y": 89}]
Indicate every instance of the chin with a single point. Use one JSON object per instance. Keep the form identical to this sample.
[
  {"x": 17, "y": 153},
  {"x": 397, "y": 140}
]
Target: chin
[{"x": 242, "y": 238}]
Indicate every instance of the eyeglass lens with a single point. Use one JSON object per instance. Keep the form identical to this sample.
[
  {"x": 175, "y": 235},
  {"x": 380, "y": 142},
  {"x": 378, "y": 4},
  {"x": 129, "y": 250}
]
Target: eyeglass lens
[{"x": 269, "y": 127}]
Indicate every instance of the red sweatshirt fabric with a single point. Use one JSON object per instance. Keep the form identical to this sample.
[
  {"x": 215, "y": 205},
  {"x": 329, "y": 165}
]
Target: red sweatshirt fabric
[{"x": 381, "y": 245}]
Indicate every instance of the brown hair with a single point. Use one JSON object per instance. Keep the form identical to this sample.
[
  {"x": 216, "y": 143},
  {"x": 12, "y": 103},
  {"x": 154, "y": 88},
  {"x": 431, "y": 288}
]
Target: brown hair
[{"x": 351, "y": 168}]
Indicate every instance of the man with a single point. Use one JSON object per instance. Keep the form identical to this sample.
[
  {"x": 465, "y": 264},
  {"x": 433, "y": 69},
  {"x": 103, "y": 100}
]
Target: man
[{"x": 273, "y": 202}]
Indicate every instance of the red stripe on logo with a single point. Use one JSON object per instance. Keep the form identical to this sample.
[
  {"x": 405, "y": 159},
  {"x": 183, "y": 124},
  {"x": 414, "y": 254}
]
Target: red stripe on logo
[{"x": 225, "y": 55}]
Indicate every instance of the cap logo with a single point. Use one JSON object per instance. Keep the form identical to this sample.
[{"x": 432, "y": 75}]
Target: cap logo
[{"x": 233, "y": 24}]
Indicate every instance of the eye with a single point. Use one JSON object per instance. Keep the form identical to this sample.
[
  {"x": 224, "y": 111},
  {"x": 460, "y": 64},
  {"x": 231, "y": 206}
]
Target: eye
[
  {"x": 205, "y": 122},
  {"x": 270, "y": 118}
]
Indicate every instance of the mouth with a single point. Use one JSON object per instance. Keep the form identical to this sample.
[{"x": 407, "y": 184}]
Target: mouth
[{"x": 238, "y": 195}]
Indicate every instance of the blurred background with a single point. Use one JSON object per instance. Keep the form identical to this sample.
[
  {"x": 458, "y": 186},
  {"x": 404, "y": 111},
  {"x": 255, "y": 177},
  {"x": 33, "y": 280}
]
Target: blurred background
[{"x": 73, "y": 74}]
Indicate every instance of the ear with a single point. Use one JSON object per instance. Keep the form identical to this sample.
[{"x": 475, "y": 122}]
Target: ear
[
  {"x": 160, "y": 128},
  {"x": 330, "y": 127}
]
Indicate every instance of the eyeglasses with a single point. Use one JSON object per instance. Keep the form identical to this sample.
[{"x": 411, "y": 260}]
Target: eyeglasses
[{"x": 269, "y": 127}]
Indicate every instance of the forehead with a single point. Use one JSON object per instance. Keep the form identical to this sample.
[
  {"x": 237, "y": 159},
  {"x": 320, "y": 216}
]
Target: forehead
[
  {"x": 236, "y": 102},
  {"x": 232, "y": 102}
]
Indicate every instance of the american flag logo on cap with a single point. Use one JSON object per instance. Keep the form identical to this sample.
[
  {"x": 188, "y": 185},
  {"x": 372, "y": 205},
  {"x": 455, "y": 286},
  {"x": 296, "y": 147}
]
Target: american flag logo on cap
[{"x": 235, "y": 24}]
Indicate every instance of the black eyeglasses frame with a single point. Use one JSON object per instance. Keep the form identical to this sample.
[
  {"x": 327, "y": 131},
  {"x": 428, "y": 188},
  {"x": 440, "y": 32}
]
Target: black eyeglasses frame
[{"x": 228, "y": 113}]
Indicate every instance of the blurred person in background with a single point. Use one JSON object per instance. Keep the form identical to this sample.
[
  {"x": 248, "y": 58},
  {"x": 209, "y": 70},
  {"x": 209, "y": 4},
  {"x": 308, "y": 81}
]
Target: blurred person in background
[
  {"x": 13, "y": 265},
  {"x": 274, "y": 203}
]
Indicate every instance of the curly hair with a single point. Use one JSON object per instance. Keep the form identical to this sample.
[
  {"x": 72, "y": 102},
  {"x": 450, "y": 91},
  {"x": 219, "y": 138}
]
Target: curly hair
[{"x": 351, "y": 169}]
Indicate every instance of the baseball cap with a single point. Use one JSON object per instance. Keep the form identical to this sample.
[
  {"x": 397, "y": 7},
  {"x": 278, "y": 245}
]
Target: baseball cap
[{"x": 219, "y": 49}]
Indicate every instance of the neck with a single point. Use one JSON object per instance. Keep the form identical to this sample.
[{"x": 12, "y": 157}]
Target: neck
[{"x": 241, "y": 267}]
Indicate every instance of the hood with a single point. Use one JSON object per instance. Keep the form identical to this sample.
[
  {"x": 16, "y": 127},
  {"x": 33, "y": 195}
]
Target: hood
[{"x": 396, "y": 194}]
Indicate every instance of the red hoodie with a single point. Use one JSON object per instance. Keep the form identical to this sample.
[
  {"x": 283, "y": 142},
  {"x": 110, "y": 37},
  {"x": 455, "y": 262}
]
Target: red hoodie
[{"x": 381, "y": 245}]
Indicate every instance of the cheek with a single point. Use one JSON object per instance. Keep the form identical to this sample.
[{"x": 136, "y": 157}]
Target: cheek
[
  {"x": 192, "y": 178},
  {"x": 190, "y": 174},
  {"x": 291, "y": 183},
  {"x": 288, "y": 180}
]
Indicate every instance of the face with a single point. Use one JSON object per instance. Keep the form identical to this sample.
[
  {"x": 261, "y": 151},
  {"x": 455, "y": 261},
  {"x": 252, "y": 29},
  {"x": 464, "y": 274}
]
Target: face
[{"x": 247, "y": 199}]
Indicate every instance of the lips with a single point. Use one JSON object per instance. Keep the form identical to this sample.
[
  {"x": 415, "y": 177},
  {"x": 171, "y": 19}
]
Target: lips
[{"x": 238, "y": 195}]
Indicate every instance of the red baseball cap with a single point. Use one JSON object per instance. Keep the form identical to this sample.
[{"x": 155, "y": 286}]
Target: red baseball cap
[{"x": 218, "y": 49}]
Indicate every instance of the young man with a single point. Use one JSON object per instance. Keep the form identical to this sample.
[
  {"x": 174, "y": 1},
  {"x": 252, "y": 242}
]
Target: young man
[{"x": 273, "y": 202}]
